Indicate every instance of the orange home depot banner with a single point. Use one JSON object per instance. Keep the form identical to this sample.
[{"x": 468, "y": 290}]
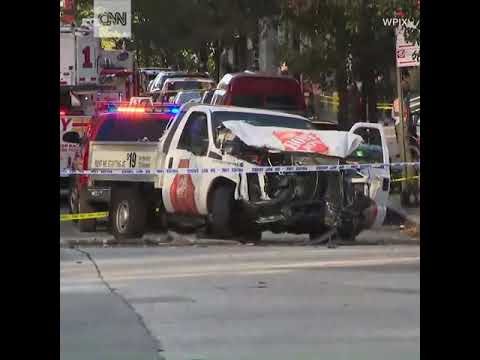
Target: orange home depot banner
[
  {"x": 68, "y": 11},
  {"x": 182, "y": 192},
  {"x": 328, "y": 143}
]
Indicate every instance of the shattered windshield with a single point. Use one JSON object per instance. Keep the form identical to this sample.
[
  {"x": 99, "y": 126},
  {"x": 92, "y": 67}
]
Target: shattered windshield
[{"x": 367, "y": 154}]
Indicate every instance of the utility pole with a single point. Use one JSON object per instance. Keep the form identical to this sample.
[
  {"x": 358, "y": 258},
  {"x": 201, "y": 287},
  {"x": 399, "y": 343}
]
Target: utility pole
[
  {"x": 405, "y": 155},
  {"x": 405, "y": 58}
]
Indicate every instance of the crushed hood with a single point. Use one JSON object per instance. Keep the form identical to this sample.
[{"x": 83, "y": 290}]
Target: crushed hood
[{"x": 328, "y": 143}]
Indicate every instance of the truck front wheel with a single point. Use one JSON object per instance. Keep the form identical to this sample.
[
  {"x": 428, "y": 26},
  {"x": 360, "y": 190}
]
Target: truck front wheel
[
  {"x": 128, "y": 213},
  {"x": 220, "y": 217}
]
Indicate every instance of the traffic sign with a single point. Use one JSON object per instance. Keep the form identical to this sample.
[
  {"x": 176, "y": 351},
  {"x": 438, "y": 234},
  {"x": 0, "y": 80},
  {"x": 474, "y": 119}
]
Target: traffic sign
[{"x": 407, "y": 54}]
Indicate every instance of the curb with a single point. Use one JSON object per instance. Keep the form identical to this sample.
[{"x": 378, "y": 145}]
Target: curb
[
  {"x": 411, "y": 226},
  {"x": 178, "y": 240},
  {"x": 158, "y": 240},
  {"x": 407, "y": 218}
]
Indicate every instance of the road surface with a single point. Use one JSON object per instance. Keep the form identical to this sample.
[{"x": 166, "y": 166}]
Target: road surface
[{"x": 241, "y": 302}]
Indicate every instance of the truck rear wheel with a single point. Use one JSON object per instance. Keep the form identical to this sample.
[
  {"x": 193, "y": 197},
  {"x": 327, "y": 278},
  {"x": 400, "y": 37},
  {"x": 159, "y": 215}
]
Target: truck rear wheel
[
  {"x": 89, "y": 225},
  {"x": 128, "y": 214},
  {"x": 73, "y": 200},
  {"x": 220, "y": 217}
]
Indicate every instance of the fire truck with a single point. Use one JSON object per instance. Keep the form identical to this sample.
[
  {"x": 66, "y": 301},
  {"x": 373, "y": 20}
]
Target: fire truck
[{"x": 88, "y": 74}]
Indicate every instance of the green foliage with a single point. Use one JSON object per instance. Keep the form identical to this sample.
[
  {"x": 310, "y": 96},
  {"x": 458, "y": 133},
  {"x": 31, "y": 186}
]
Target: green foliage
[
  {"x": 195, "y": 25},
  {"x": 348, "y": 38},
  {"x": 84, "y": 10},
  {"x": 407, "y": 9}
]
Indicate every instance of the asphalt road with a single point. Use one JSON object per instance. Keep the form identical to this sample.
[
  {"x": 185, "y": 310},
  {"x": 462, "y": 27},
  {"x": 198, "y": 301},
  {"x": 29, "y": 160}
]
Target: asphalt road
[{"x": 241, "y": 302}]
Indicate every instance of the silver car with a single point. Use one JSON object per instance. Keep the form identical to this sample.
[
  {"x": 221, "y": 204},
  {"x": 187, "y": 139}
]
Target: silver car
[{"x": 185, "y": 96}]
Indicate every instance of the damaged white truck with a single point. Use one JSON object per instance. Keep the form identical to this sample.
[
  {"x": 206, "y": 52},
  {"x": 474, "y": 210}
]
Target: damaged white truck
[{"x": 245, "y": 193}]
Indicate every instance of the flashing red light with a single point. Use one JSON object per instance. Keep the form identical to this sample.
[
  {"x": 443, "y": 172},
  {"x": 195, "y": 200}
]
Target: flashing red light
[{"x": 62, "y": 113}]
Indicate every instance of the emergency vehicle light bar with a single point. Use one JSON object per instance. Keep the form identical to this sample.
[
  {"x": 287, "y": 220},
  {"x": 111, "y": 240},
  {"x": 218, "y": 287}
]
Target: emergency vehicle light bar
[
  {"x": 125, "y": 107},
  {"x": 171, "y": 110},
  {"x": 131, "y": 109}
]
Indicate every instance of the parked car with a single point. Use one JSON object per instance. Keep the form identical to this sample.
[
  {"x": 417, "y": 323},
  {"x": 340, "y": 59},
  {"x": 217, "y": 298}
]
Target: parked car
[
  {"x": 255, "y": 90},
  {"x": 157, "y": 84},
  {"x": 183, "y": 97},
  {"x": 207, "y": 97},
  {"x": 171, "y": 87},
  {"x": 144, "y": 78}
]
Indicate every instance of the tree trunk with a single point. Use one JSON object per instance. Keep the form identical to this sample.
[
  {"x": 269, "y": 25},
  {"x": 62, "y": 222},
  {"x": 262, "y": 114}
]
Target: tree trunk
[
  {"x": 147, "y": 52},
  {"x": 341, "y": 71},
  {"x": 218, "y": 54},
  {"x": 366, "y": 63},
  {"x": 240, "y": 49},
  {"x": 203, "y": 57}
]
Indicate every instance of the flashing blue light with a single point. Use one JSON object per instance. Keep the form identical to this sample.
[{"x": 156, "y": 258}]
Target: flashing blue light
[
  {"x": 111, "y": 108},
  {"x": 175, "y": 110}
]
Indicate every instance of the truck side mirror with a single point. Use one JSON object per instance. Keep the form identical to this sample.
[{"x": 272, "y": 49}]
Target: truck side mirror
[{"x": 71, "y": 137}]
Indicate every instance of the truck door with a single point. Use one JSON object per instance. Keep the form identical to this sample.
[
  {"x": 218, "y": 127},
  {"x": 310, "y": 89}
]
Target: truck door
[
  {"x": 374, "y": 150},
  {"x": 180, "y": 191}
]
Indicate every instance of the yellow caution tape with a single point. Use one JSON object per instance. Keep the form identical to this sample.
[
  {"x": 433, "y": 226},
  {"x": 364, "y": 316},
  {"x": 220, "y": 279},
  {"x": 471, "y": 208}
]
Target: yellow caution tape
[
  {"x": 330, "y": 97},
  {"x": 404, "y": 179},
  {"x": 330, "y": 102},
  {"x": 84, "y": 216},
  {"x": 335, "y": 101}
]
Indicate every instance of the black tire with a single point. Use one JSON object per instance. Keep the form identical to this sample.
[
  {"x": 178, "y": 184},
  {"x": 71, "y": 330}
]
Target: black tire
[
  {"x": 128, "y": 214},
  {"x": 316, "y": 232},
  {"x": 157, "y": 220},
  {"x": 348, "y": 231},
  {"x": 73, "y": 200},
  {"x": 89, "y": 225},
  {"x": 220, "y": 217}
]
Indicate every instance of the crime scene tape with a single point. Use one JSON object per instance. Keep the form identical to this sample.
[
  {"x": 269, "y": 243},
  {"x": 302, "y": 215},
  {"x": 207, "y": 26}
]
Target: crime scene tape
[
  {"x": 405, "y": 179},
  {"x": 235, "y": 170},
  {"x": 84, "y": 216}
]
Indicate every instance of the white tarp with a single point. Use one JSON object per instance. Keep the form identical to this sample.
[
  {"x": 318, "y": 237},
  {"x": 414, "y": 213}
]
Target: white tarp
[{"x": 328, "y": 143}]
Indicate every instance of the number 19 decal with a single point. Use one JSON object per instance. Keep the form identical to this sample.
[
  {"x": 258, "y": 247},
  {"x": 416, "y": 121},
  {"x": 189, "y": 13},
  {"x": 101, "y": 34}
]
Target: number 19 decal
[{"x": 132, "y": 159}]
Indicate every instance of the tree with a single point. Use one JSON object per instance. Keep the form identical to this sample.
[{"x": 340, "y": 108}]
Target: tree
[
  {"x": 204, "y": 27},
  {"x": 347, "y": 38}
]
